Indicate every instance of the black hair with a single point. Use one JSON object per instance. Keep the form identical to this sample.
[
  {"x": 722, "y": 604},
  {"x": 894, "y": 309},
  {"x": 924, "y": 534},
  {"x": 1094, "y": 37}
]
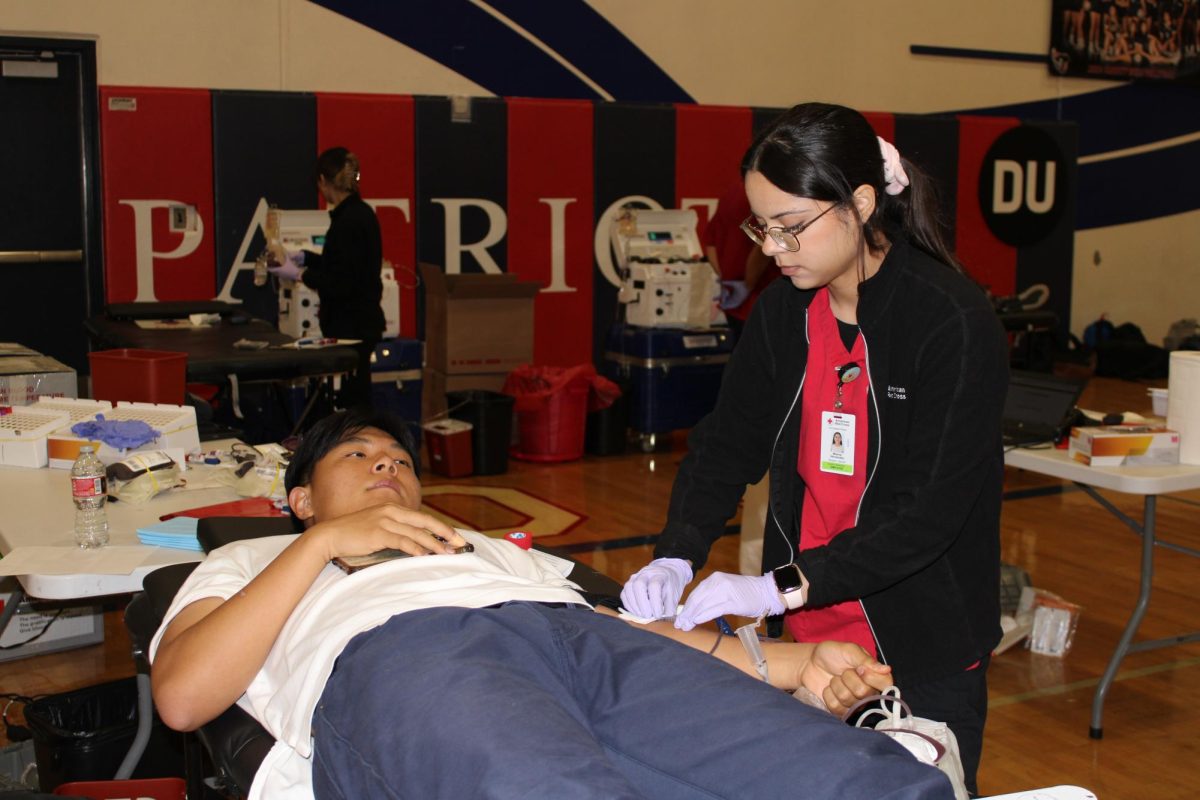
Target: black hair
[
  {"x": 339, "y": 167},
  {"x": 825, "y": 152},
  {"x": 337, "y": 428}
]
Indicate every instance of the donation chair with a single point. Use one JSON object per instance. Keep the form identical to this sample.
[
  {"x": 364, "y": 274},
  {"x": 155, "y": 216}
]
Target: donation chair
[{"x": 234, "y": 742}]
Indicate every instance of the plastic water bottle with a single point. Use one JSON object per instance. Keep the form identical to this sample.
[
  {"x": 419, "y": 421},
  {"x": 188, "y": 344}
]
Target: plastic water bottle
[{"x": 89, "y": 490}]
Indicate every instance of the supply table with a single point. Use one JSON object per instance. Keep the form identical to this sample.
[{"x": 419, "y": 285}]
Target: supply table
[
  {"x": 212, "y": 357},
  {"x": 211, "y": 354},
  {"x": 1148, "y": 481},
  {"x": 36, "y": 509}
]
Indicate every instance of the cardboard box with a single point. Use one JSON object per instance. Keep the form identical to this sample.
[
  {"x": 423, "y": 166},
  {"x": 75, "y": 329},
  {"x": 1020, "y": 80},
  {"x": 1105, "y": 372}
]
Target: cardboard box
[
  {"x": 436, "y": 383},
  {"x": 24, "y": 378},
  {"x": 16, "y": 349},
  {"x": 477, "y": 323},
  {"x": 1117, "y": 445}
]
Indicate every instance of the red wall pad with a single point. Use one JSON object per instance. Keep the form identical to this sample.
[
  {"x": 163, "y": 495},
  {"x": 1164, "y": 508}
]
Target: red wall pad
[
  {"x": 550, "y": 219},
  {"x": 379, "y": 130},
  {"x": 987, "y": 259},
  {"x": 156, "y": 155},
  {"x": 709, "y": 144}
]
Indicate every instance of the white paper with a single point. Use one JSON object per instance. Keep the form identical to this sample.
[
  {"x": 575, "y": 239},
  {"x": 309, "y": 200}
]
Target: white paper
[{"x": 43, "y": 560}]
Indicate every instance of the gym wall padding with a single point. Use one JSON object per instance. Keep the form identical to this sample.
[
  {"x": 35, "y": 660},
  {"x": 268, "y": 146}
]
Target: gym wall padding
[
  {"x": 709, "y": 144},
  {"x": 264, "y": 145},
  {"x": 931, "y": 142},
  {"x": 156, "y": 144},
  {"x": 634, "y": 157},
  {"x": 225, "y": 151},
  {"x": 989, "y": 260},
  {"x": 550, "y": 172},
  {"x": 380, "y": 131}
]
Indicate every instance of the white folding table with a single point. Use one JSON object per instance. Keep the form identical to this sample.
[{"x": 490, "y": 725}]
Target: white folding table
[
  {"x": 1148, "y": 481},
  {"x": 36, "y": 509}
]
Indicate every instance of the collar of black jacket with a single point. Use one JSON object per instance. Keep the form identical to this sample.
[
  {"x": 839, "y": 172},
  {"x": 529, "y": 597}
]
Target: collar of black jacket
[
  {"x": 348, "y": 201},
  {"x": 875, "y": 293}
]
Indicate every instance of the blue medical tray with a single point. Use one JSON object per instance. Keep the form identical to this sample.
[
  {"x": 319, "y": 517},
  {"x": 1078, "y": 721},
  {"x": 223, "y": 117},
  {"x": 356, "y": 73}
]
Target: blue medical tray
[{"x": 671, "y": 376}]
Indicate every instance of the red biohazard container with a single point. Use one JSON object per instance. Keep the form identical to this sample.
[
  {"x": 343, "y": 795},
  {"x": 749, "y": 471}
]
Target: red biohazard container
[
  {"x": 151, "y": 788},
  {"x": 448, "y": 442},
  {"x": 141, "y": 376}
]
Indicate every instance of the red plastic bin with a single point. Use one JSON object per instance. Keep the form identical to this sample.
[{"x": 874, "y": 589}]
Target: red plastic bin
[
  {"x": 153, "y": 788},
  {"x": 142, "y": 376},
  {"x": 555, "y": 430}
]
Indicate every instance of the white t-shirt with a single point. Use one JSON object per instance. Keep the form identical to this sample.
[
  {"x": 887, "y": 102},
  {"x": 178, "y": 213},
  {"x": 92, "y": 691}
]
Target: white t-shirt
[{"x": 336, "y": 608}]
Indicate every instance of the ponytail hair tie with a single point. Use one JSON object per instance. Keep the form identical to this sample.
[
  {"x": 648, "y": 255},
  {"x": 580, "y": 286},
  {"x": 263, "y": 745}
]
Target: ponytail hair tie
[{"x": 894, "y": 176}]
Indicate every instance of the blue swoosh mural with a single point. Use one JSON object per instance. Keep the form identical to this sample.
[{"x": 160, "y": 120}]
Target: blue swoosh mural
[
  {"x": 467, "y": 39},
  {"x": 476, "y": 44}
]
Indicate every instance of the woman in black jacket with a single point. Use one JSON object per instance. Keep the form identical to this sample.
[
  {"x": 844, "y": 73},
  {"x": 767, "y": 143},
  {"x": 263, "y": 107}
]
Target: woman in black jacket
[
  {"x": 346, "y": 273},
  {"x": 893, "y": 542}
]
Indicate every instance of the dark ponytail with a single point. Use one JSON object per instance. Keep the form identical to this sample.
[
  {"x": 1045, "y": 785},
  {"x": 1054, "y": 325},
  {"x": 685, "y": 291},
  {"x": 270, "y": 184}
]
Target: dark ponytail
[
  {"x": 825, "y": 152},
  {"x": 339, "y": 167}
]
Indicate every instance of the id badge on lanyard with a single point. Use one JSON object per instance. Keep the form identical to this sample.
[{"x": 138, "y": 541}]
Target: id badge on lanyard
[
  {"x": 837, "y": 428},
  {"x": 837, "y": 443}
]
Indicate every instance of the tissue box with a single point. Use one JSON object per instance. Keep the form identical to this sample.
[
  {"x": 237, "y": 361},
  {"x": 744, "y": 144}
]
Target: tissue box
[{"x": 1118, "y": 445}]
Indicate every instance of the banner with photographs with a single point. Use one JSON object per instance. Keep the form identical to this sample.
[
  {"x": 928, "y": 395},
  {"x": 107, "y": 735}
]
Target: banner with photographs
[{"x": 1125, "y": 39}]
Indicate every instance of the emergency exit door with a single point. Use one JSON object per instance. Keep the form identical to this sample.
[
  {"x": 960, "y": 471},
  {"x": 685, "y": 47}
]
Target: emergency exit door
[{"x": 50, "y": 275}]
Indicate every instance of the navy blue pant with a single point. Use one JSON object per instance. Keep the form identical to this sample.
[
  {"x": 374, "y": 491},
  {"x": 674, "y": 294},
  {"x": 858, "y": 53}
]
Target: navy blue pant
[{"x": 530, "y": 701}]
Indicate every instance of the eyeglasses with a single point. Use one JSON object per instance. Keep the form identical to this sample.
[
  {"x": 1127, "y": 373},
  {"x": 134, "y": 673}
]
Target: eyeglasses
[{"x": 787, "y": 238}]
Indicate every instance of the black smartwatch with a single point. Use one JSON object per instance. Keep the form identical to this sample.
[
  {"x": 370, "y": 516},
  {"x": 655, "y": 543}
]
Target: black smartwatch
[{"x": 792, "y": 585}]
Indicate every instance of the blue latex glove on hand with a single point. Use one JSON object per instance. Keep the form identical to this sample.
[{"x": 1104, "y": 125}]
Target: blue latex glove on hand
[
  {"x": 289, "y": 269},
  {"x": 739, "y": 595},
  {"x": 654, "y": 590},
  {"x": 733, "y": 294}
]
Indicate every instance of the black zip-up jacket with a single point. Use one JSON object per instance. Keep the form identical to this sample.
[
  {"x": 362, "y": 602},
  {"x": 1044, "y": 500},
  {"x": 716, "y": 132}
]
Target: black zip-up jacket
[
  {"x": 924, "y": 556},
  {"x": 346, "y": 273}
]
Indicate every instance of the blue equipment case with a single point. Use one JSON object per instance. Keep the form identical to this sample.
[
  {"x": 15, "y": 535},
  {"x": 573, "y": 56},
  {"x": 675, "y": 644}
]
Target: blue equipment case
[
  {"x": 396, "y": 380},
  {"x": 671, "y": 375}
]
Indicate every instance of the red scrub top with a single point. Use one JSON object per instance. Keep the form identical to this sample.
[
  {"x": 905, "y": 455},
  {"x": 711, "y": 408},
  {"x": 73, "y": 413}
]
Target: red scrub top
[{"x": 830, "y": 499}]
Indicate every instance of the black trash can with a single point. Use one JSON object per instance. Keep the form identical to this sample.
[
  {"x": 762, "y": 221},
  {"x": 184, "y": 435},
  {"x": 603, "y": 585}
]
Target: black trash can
[
  {"x": 490, "y": 415},
  {"x": 84, "y": 735},
  {"x": 607, "y": 432}
]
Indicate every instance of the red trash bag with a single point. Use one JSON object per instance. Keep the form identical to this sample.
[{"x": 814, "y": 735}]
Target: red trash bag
[{"x": 551, "y": 405}]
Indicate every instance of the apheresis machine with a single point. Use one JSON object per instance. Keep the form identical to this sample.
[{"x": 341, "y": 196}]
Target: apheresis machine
[
  {"x": 305, "y": 230},
  {"x": 666, "y": 281}
]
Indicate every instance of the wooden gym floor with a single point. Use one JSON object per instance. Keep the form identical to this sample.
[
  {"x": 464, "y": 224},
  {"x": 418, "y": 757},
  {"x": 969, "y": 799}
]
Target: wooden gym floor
[{"x": 611, "y": 508}]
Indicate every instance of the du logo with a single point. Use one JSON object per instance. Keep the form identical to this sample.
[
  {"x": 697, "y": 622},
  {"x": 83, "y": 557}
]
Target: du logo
[{"x": 1022, "y": 185}]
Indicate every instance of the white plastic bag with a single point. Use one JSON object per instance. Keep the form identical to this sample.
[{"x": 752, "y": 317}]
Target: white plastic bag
[{"x": 929, "y": 741}]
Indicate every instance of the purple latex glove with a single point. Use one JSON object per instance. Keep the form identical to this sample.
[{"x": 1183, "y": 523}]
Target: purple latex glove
[
  {"x": 289, "y": 269},
  {"x": 733, "y": 294},
  {"x": 739, "y": 595},
  {"x": 654, "y": 590}
]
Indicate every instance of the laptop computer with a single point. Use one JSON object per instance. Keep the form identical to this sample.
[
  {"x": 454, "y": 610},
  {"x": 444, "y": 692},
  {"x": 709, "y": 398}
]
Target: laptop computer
[{"x": 1039, "y": 407}]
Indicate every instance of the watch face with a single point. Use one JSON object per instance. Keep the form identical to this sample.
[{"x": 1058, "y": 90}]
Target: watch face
[{"x": 787, "y": 578}]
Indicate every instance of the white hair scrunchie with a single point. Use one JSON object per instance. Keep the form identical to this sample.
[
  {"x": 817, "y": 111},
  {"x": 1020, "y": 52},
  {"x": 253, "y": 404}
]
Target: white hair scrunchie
[{"x": 894, "y": 176}]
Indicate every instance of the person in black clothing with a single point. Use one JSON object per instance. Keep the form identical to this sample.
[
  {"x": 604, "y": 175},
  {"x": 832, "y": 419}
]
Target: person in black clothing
[
  {"x": 346, "y": 273},
  {"x": 894, "y": 544}
]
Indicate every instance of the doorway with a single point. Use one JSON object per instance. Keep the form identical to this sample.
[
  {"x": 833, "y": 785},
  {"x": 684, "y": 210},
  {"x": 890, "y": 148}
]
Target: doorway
[{"x": 51, "y": 274}]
